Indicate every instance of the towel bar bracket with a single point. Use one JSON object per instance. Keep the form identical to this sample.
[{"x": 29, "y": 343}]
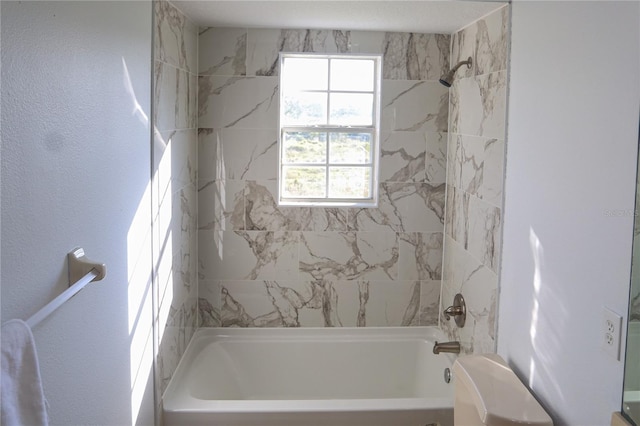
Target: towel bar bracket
[{"x": 79, "y": 266}]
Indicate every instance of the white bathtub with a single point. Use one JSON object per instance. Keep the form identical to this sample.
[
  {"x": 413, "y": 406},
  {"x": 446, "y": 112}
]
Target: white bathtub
[{"x": 311, "y": 376}]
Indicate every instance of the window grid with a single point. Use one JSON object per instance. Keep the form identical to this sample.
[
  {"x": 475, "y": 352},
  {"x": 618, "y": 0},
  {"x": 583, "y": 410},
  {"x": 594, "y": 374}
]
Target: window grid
[{"x": 328, "y": 129}]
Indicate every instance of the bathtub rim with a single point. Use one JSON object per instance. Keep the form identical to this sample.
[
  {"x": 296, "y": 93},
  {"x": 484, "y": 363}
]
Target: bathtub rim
[{"x": 177, "y": 400}]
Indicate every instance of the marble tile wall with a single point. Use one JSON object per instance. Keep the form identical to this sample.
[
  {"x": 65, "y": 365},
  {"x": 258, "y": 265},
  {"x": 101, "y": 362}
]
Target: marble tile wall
[
  {"x": 264, "y": 265},
  {"x": 174, "y": 191},
  {"x": 475, "y": 172}
]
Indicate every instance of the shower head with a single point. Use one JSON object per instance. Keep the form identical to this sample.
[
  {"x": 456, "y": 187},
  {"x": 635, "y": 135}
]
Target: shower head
[{"x": 447, "y": 79}]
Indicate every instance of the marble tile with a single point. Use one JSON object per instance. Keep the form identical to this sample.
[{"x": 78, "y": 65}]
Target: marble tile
[
  {"x": 491, "y": 42},
  {"x": 464, "y": 274},
  {"x": 221, "y": 205},
  {"x": 209, "y": 303},
  {"x": 263, "y": 304},
  {"x": 175, "y": 337},
  {"x": 367, "y": 42},
  {"x": 175, "y": 160},
  {"x": 241, "y": 154},
  {"x": 183, "y": 239},
  {"x": 325, "y": 219},
  {"x": 436, "y": 159},
  {"x": 174, "y": 97},
  {"x": 239, "y": 102},
  {"x": 402, "y": 207},
  {"x": 402, "y": 157},
  {"x": 492, "y": 186},
  {"x": 174, "y": 187},
  {"x": 463, "y": 47},
  {"x": 467, "y": 163},
  {"x": 449, "y": 213},
  {"x": 264, "y": 45},
  {"x": 175, "y": 231},
  {"x": 208, "y": 144},
  {"x": 406, "y": 56},
  {"x": 175, "y": 37},
  {"x": 413, "y": 56},
  {"x": 420, "y": 256},
  {"x": 168, "y": 356},
  {"x": 429, "y": 302},
  {"x": 478, "y": 105},
  {"x": 193, "y": 322},
  {"x": 493, "y": 88},
  {"x": 176, "y": 214},
  {"x": 262, "y": 210},
  {"x": 192, "y": 298},
  {"x": 349, "y": 255},
  {"x": 222, "y": 51},
  {"x": 264, "y": 214},
  {"x": 189, "y": 117},
  {"x": 165, "y": 96},
  {"x": 458, "y": 215},
  {"x": 247, "y": 255},
  {"x": 485, "y": 233},
  {"x": 379, "y": 303},
  {"x": 414, "y": 106},
  {"x": 269, "y": 303},
  {"x": 453, "y": 161},
  {"x": 477, "y": 167},
  {"x": 634, "y": 313},
  {"x": 313, "y": 303},
  {"x": 356, "y": 267}
]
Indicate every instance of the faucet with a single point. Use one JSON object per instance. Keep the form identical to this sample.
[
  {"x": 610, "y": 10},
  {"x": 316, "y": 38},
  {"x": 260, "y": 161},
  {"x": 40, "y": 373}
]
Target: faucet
[{"x": 451, "y": 347}]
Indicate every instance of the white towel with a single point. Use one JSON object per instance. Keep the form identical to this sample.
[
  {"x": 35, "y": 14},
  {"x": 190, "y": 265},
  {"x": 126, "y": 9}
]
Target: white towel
[{"x": 23, "y": 402}]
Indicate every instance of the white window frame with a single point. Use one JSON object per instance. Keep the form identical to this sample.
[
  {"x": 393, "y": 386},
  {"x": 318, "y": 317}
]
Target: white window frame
[{"x": 374, "y": 130}]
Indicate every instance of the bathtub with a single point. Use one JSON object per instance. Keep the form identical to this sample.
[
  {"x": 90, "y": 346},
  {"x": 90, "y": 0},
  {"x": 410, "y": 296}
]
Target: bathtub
[{"x": 311, "y": 376}]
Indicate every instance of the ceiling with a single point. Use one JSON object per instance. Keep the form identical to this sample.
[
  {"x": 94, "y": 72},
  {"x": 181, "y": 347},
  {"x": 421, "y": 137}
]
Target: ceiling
[{"x": 382, "y": 15}]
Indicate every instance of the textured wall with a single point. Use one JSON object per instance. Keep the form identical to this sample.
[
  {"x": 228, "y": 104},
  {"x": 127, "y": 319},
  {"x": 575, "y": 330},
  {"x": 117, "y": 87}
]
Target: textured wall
[
  {"x": 174, "y": 189},
  {"x": 76, "y": 80},
  {"x": 571, "y": 160},
  {"x": 475, "y": 169},
  {"x": 264, "y": 265}
]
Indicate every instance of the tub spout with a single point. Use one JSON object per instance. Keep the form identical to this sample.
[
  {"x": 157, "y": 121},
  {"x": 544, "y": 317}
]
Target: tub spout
[{"x": 451, "y": 347}]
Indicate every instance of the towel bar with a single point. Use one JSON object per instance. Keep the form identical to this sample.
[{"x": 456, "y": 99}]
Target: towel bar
[{"x": 81, "y": 272}]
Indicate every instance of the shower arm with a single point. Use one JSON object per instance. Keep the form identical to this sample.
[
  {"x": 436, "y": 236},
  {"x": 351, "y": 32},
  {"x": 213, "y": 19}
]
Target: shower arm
[{"x": 468, "y": 63}]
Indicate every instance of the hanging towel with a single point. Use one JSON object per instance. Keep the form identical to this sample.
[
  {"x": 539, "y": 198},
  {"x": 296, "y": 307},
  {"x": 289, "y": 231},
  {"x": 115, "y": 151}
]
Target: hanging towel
[{"x": 23, "y": 402}]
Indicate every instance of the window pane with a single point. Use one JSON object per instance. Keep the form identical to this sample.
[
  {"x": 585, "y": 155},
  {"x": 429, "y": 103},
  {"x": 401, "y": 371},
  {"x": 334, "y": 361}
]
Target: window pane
[
  {"x": 352, "y": 75},
  {"x": 353, "y": 148},
  {"x": 304, "y": 182},
  {"x": 352, "y": 109},
  {"x": 304, "y": 147},
  {"x": 305, "y": 108},
  {"x": 305, "y": 73},
  {"x": 349, "y": 182}
]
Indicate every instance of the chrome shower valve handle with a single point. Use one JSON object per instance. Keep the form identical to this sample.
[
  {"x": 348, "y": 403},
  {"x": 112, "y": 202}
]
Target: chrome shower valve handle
[
  {"x": 458, "y": 310},
  {"x": 453, "y": 311}
]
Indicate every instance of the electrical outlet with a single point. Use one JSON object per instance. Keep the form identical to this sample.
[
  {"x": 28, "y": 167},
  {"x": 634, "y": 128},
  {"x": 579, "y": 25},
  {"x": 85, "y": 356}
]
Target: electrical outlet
[{"x": 611, "y": 328}]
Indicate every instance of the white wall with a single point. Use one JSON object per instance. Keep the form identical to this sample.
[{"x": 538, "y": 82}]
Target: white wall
[
  {"x": 571, "y": 158},
  {"x": 75, "y": 172}
]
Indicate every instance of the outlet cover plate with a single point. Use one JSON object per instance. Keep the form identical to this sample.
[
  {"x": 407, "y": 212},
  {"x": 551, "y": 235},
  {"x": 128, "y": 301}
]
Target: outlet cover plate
[{"x": 610, "y": 335}]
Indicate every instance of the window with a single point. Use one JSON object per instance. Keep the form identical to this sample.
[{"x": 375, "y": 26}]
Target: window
[{"x": 329, "y": 129}]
